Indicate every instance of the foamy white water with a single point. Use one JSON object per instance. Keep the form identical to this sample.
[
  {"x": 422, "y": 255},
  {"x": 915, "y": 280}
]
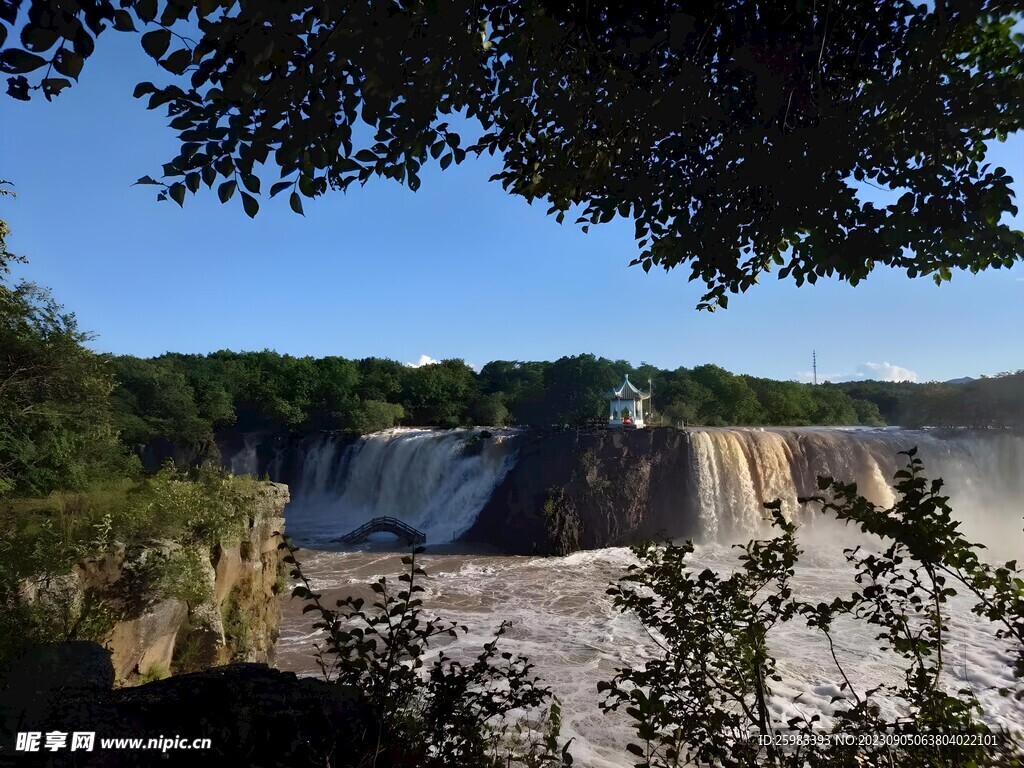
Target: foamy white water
[
  {"x": 566, "y": 624},
  {"x": 736, "y": 470},
  {"x": 435, "y": 480},
  {"x": 244, "y": 461},
  {"x": 562, "y": 618}
]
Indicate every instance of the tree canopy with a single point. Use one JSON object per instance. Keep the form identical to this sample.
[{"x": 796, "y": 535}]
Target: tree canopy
[
  {"x": 188, "y": 398},
  {"x": 56, "y": 420},
  {"x": 739, "y": 135}
]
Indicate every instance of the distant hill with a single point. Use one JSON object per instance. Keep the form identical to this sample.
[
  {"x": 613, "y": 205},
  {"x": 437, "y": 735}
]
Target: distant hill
[{"x": 961, "y": 380}]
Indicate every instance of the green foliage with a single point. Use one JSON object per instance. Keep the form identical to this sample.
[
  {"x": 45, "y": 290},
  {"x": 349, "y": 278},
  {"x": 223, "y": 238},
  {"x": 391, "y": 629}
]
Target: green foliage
[
  {"x": 441, "y": 714},
  {"x": 186, "y": 398},
  {"x": 154, "y": 673},
  {"x": 490, "y": 410},
  {"x": 6, "y": 257},
  {"x": 237, "y": 625},
  {"x": 282, "y": 579},
  {"x": 562, "y": 522},
  {"x": 734, "y": 402},
  {"x": 996, "y": 401},
  {"x": 189, "y": 655},
  {"x": 374, "y": 415},
  {"x": 990, "y": 401},
  {"x": 704, "y": 698},
  {"x": 45, "y": 538},
  {"x": 154, "y": 400},
  {"x": 56, "y": 426},
  {"x": 40, "y": 601},
  {"x": 180, "y": 573},
  {"x": 574, "y": 388},
  {"x": 205, "y": 509},
  {"x": 440, "y": 393},
  {"x": 736, "y": 142},
  {"x": 40, "y": 597}
]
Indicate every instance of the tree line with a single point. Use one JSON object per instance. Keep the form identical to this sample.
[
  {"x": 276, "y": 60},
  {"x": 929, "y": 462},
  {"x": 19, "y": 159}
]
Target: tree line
[
  {"x": 190, "y": 397},
  {"x": 70, "y": 416}
]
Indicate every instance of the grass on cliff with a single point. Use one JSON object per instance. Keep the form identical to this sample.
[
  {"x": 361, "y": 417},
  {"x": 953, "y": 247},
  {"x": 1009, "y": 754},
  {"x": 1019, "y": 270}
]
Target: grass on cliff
[
  {"x": 49, "y": 534},
  {"x": 46, "y": 537}
]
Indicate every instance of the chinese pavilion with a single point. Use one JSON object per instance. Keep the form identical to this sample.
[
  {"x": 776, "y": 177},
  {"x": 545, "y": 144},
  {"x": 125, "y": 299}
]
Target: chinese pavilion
[{"x": 626, "y": 406}]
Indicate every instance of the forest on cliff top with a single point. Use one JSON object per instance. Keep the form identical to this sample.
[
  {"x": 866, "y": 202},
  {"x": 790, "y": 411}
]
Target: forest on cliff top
[
  {"x": 70, "y": 416},
  {"x": 188, "y": 397}
]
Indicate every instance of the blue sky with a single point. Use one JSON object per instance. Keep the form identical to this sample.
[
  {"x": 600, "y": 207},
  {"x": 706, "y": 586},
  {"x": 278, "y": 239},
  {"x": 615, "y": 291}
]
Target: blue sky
[{"x": 457, "y": 269}]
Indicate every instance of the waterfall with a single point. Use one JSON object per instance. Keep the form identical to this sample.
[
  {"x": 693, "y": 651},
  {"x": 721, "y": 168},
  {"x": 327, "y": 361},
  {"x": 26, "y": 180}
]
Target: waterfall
[
  {"x": 436, "y": 481},
  {"x": 439, "y": 480},
  {"x": 245, "y": 461},
  {"x": 737, "y": 470}
]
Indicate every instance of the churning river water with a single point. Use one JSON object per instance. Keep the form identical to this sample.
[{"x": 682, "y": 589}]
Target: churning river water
[{"x": 563, "y": 620}]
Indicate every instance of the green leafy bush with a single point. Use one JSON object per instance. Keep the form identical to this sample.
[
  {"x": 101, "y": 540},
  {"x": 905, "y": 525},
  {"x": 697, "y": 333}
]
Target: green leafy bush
[
  {"x": 447, "y": 714},
  {"x": 40, "y": 600},
  {"x": 705, "y": 697},
  {"x": 237, "y": 626},
  {"x": 180, "y": 573},
  {"x": 211, "y": 506}
]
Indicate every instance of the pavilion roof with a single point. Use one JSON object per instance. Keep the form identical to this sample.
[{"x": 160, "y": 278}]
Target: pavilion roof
[{"x": 627, "y": 391}]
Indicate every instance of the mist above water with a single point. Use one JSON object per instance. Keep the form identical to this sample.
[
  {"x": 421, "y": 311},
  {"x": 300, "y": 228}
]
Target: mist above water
[
  {"x": 737, "y": 470},
  {"x": 562, "y": 618},
  {"x": 435, "y": 480}
]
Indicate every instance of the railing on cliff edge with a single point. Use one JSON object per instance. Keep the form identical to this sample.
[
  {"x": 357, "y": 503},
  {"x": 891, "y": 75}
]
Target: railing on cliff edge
[{"x": 402, "y": 530}]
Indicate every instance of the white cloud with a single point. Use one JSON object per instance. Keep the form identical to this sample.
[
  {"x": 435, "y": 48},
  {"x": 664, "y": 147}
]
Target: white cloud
[
  {"x": 428, "y": 360},
  {"x": 808, "y": 376},
  {"x": 875, "y": 371},
  {"x": 884, "y": 372},
  {"x": 424, "y": 360}
]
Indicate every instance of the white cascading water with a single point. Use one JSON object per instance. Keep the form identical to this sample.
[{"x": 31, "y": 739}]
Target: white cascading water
[
  {"x": 436, "y": 481},
  {"x": 245, "y": 461},
  {"x": 566, "y": 623},
  {"x": 736, "y": 470}
]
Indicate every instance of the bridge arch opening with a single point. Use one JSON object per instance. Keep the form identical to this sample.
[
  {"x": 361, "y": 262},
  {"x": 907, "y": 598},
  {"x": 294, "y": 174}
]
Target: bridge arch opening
[{"x": 399, "y": 529}]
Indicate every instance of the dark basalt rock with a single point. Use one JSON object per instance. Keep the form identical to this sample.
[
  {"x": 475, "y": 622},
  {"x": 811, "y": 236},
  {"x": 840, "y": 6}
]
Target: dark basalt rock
[
  {"x": 584, "y": 489},
  {"x": 252, "y": 714},
  {"x": 159, "y": 451}
]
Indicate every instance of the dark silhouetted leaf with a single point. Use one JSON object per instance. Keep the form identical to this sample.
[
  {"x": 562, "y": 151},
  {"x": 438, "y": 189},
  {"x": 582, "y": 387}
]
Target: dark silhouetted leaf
[
  {"x": 68, "y": 63},
  {"x": 14, "y": 61},
  {"x": 39, "y": 38},
  {"x": 146, "y": 9},
  {"x": 142, "y": 89},
  {"x": 178, "y": 61},
  {"x": 52, "y": 86},
  {"x": 177, "y": 193},
  {"x": 123, "y": 21},
  {"x": 250, "y": 205},
  {"x": 155, "y": 43}
]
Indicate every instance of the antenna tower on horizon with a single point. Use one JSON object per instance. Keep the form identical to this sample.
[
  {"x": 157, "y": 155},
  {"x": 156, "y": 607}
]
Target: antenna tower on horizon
[{"x": 814, "y": 365}]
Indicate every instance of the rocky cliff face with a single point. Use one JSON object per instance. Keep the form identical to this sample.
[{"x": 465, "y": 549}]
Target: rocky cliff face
[
  {"x": 582, "y": 490},
  {"x": 568, "y": 490},
  {"x": 156, "y": 453},
  {"x": 221, "y": 605}
]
